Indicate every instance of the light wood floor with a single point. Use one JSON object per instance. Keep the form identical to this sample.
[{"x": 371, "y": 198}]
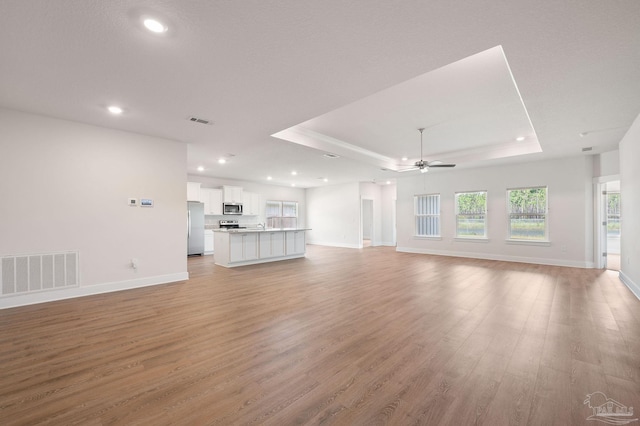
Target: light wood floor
[{"x": 342, "y": 337}]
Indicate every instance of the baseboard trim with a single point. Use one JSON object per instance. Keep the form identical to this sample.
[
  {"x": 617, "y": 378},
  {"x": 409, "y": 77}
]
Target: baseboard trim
[
  {"x": 327, "y": 244},
  {"x": 70, "y": 293},
  {"x": 485, "y": 256},
  {"x": 626, "y": 280}
]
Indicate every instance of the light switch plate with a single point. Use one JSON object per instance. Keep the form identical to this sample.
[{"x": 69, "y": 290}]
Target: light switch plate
[{"x": 132, "y": 202}]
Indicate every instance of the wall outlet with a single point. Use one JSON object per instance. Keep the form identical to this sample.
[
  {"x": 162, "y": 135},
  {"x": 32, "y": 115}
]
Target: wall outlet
[
  {"x": 134, "y": 263},
  {"x": 563, "y": 249}
]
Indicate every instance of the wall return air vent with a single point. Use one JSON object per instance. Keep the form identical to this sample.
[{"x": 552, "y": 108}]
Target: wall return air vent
[{"x": 31, "y": 273}]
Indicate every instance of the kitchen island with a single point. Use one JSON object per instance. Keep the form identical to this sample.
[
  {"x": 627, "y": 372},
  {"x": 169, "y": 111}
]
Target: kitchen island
[{"x": 239, "y": 247}]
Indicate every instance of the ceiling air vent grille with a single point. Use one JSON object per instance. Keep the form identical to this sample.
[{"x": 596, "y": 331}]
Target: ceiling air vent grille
[
  {"x": 200, "y": 120},
  {"x": 330, "y": 155},
  {"x": 587, "y": 149}
]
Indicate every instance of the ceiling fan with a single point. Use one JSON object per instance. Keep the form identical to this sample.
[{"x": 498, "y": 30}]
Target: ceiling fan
[{"x": 422, "y": 165}]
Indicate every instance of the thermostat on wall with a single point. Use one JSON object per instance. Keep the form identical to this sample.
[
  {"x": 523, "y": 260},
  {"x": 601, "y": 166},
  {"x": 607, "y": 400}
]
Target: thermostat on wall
[
  {"x": 132, "y": 202},
  {"x": 146, "y": 202}
]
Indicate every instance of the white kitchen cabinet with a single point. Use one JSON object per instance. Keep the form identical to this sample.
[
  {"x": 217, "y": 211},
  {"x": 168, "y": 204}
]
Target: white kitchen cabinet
[
  {"x": 250, "y": 203},
  {"x": 235, "y": 248},
  {"x": 216, "y": 201},
  {"x": 212, "y": 199},
  {"x": 295, "y": 242},
  {"x": 271, "y": 244},
  {"x": 232, "y": 194},
  {"x": 193, "y": 191},
  {"x": 208, "y": 241},
  {"x": 243, "y": 247}
]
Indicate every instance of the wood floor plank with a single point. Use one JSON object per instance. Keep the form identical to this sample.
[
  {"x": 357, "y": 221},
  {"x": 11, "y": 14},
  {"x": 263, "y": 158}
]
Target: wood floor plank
[{"x": 343, "y": 336}]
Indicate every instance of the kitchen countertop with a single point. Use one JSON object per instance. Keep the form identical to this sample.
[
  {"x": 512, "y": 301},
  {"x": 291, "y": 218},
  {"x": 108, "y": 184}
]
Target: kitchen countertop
[{"x": 244, "y": 230}]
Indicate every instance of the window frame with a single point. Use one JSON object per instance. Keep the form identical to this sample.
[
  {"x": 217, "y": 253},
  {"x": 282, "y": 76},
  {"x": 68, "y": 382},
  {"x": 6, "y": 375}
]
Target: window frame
[
  {"x": 485, "y": 236},
  {"x": 284, "y": 219},
  {"x": 533, "y": 241},
  {"x": 417, "y": 216}
]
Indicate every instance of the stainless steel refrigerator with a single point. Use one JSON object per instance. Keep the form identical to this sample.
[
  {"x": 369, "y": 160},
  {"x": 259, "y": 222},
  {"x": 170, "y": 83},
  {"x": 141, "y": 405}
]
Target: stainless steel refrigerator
[{"x": 195, "y": 228}]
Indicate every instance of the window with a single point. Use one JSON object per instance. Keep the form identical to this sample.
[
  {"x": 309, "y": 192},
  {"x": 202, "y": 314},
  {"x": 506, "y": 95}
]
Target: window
[
  {"x": 528, "y": 214},
  {"x": 613, "y": 214},
  {"x": 427, "y": 213},
  {"x": 471, "y": 214},
  {"x": 282, "y": 214}
]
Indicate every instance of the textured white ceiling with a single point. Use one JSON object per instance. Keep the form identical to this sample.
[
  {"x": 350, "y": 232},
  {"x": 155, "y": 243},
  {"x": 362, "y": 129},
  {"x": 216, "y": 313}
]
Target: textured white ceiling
[{"x": 258, "y": 67}]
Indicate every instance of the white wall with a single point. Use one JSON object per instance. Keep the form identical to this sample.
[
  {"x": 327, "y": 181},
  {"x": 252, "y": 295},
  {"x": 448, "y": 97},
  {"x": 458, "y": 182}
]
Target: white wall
[
  {"x": 630, "y": 214},
  {"x": 267, "y": 192},
  {"x": 388, "y": 193},
  {"x": 606, "y": 164},
  {"x": 64, "y": 186},
  {"x": 333, "y": 214},
  {"x": 367, "y": 219},
  {"x": 569, "y": 183}
]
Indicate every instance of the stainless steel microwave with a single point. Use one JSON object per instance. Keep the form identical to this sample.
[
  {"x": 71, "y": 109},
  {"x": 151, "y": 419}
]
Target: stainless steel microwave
[{"x": 231, "y": 208}]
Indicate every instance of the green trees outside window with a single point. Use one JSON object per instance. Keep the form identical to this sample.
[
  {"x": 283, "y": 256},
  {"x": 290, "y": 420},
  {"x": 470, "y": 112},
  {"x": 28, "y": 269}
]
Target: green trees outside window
[
  {"x": 471, "y": 214},
  {"x": 528, "y": 214}
]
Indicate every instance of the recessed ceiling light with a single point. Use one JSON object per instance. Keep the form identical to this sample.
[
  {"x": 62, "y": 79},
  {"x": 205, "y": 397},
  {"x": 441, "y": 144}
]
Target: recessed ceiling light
[
  {"x": 293, "y": 173},
  {"x": 269, "y": 178},
  {"x": 520, "y": 138},
  {"x": 388, "y": 182},
  {"x": 293, "y": 184},
  {"x": 405, "y": 158},
  {"x": 200, "y": 169},
  {"x": 154, "y": 26},
  {"x": 115, "y": 109},
  {"x": 326, "y": 180},
  {"x": 222, "y": 160}
]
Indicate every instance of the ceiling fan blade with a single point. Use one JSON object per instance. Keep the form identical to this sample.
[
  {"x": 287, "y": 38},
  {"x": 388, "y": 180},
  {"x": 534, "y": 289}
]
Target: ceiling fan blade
[
  {"x": 410, "y": 169},
  {"x": 441, "y": 165}
]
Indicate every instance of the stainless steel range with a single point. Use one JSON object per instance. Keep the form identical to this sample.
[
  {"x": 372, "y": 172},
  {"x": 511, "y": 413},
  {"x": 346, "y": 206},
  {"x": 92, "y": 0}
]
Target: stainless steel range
[{"x": 230, "y": 224}]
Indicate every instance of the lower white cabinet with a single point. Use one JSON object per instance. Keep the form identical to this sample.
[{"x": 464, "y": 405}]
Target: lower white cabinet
[
  {"x": 271, "y": 244},
  {"x": 243, "y": 247},
  {"x": 249, "y": 247},
  {"x": 208, "y": 241},
  {"x": 295, "y": 242}
]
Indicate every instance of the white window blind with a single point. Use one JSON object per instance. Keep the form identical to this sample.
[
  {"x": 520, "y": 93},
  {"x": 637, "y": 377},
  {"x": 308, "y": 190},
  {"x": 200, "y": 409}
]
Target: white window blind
[{"x": 427, "y": 215}]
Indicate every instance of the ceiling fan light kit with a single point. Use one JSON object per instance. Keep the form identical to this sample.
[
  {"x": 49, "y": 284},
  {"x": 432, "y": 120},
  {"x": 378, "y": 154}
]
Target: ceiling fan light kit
[{"x": 422, "y": 165}]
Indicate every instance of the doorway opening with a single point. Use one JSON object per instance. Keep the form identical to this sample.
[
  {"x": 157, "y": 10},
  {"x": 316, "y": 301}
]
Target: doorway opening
[
  {"x": 612, "y": 200},
  {"x": 367, "y": 222},
  {"x": 608, "y": 229}
]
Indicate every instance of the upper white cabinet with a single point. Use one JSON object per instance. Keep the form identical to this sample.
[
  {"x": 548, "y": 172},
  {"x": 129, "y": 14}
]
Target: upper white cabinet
[
  {"x": 251, "y": 203},
  {"x": 212, "y": 199},
  {"x": 232, "y": 194},
  {"x": 193, "y": 191}
]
